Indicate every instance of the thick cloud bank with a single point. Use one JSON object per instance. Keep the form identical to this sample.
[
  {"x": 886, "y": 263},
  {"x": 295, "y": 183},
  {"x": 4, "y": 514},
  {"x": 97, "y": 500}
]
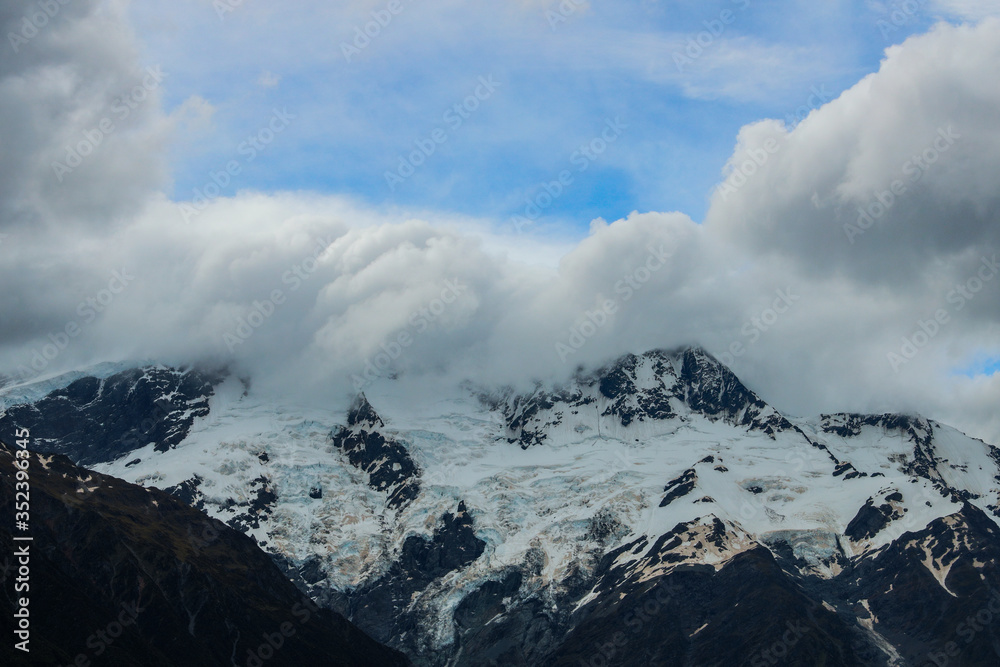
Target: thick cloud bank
[{"x": 847, "y": 264}]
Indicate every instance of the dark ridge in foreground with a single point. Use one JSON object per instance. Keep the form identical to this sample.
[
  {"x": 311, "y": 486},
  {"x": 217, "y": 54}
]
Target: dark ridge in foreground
[{"x": 122, "y": 575}]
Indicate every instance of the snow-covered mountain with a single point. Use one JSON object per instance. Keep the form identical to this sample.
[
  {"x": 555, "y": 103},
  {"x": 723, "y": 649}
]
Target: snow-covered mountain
[
  {"x": 117, "y": 574},
  {"x": 651, "y": 512}
]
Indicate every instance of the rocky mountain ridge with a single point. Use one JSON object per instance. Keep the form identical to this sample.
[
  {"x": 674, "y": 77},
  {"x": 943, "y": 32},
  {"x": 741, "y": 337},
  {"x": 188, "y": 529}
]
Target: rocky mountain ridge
[
  {"x": 653, "y": 511},
  {"x": 118, "y": 574}
]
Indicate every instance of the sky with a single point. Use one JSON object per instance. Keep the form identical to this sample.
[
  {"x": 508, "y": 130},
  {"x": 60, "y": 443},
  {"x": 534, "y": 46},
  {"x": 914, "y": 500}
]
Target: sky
[
  {"x": 319, "y": 193},
  {"x": 364, "y": 94}
]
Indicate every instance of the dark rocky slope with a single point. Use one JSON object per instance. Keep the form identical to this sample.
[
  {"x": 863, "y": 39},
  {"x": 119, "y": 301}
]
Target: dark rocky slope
[
  {"x": 190, "y": 590},
  {"x": 96, "y": 420}
]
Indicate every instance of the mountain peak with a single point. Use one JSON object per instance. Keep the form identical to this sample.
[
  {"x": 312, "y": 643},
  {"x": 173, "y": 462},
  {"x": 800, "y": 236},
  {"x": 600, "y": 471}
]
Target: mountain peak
[
  {"x": 663, "y": 479},
  {"x": 387, "y": 462},
  {"x": 655, "y": 386},
  {"x": 363, "y": 414}
]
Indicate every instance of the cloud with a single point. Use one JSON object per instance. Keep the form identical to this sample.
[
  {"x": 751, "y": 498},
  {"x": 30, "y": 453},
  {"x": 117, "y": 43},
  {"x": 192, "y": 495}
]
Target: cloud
[
  {"x": 268, "y": 79},
  {"x": 972, "y": 10},
  {"x": 882, "y": 205},
  {"x": 311, "y": 293},
  {"x": 896, "y": 174},
  {"x": 84, "y": 136}
]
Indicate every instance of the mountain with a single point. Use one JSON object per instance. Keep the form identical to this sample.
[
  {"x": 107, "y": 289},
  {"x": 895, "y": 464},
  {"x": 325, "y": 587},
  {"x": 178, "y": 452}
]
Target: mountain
[
  {"x": 635, "y": 390},
  {"x": 653, "y": 511},
  {"x": 93, "y": 419},
  {"x": 124, "y": 575},
  {"x": 387, "y": 463}
]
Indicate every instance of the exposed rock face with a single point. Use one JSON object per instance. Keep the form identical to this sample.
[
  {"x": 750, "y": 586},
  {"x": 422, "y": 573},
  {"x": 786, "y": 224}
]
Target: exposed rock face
[
  {"x": 388, "y": 464},
  {"x": 932, "y": 594},
  {"x": 699, "y": 616},
  {"x": 99, "y": 420},
  {"x": 679, "y": 487},
  {"x": 656, "y": 386},
  {"x": 872, "y": 519},
  {"x": 654, "y": 511},
  {"x": 385, "y": 605},
  {"x": 257, "y": 504},
  {"x": 130, "y": 576}
]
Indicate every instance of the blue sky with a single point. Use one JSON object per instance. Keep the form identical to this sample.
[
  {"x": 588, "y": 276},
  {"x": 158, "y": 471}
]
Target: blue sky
[
  {"x": 560, "y": 81},
  {"x": 983, "y": 365},
  {"x": 668, "y": 114}
]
